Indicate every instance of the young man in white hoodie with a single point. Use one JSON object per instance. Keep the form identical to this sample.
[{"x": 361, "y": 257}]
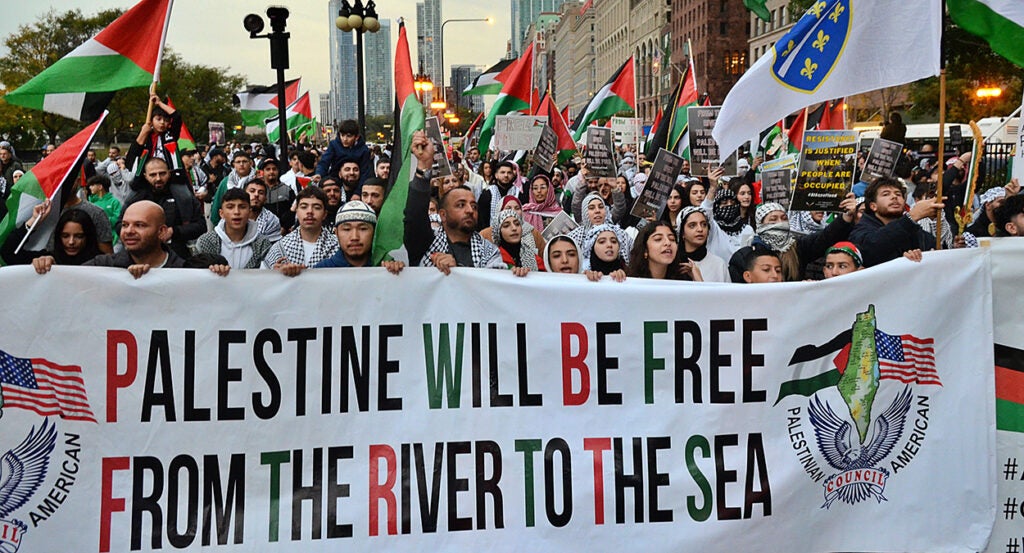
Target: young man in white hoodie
[{"x": 235, "y": 237}]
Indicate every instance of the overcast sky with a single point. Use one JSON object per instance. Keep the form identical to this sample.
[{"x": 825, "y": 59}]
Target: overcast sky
[{"x": 210, "y": 32}]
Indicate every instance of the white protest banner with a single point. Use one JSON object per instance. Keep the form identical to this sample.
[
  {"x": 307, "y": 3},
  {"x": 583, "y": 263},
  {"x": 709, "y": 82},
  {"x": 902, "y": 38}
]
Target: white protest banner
[
  {"x": 1008, "y": 304},
  {"x": 424, "y": 412},
  {"x": 518, "y": 132},
  {"x": 1018, "y": 153},
  {"x": 627, "y": 130}
]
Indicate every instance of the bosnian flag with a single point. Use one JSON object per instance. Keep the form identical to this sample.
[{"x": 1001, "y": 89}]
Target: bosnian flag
[
  {"x": 126, "y": 54},
  {"x": 618, "y": 94},
  {"x": 42, "y": 183},
  {"x": 905, "y": 358}
]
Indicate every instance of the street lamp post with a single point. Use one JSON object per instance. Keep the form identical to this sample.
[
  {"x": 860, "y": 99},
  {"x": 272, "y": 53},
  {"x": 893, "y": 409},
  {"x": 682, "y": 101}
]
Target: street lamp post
[
  {"x": 487, "y": 20},
  {"x": 361, "y": 20},
  {"x": 278, "y": 59},
  {"x": 422, "y": 83}
]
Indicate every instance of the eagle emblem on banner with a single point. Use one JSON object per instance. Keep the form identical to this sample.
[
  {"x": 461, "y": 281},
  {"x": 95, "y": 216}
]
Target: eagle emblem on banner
[{"x": 806, "y": 55}]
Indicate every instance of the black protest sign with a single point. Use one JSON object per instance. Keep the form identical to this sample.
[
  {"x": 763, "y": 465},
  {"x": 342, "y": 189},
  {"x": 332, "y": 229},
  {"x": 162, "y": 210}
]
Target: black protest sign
[
  {"x": 600, "y": 154},
  {"x": 776, "y": 186},
  {"x": 956, "y": 135},
  {"x": 441, "y": 166},
  {"x": 547, "y": 150},
  {"x": 825, "y": 174},
  {"x": 882, "y": 159},
  {"x": 664, "y": 173},
  {"x": 704, "y": 153}
]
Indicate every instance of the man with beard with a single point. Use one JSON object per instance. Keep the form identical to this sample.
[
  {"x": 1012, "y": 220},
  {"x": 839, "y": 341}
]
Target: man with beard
[
  {"x": 456, "y": 243},
  {"x": 182, "y": 211},
  {"x": 383, "y": 168},
  {"x": 335, "y": 198},
  {"x": 267, "y": 224},
  {"x": 887, "y": 231},
  {"x": 349, "y": 175},
  {"x": 373, "y": 194},
  {"x": 503, "y": 185},
  {"x": 242, "y": 172},
  {"x": 143, "y": 233}
]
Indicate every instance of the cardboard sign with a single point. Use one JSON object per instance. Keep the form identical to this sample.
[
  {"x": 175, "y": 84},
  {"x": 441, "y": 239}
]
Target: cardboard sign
[
  {"x": 600, "y": 155},
  {"x": 704, "y": 152},
  {"x": 518, "y": 132},
  {"x": 652, "y": 200},
  {"x": 545, "y": 154},
  {"x": 442, "y": 168},
  {"x": 627, "y": 130},
  {"x": 776, "y": 186},
  {"x": 882, "y": 159},
  {"x": 825, "y": 176}
]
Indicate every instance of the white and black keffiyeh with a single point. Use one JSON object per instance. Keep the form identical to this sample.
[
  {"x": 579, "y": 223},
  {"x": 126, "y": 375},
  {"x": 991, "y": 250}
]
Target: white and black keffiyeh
[
  {"x": 483, "y": 251},
  {"x": 290, "y": 248},
  {"x": 527, "y": 245}
]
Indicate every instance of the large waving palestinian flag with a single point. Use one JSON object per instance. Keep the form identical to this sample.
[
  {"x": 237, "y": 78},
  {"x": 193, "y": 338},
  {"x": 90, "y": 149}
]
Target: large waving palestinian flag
[
  {"x": 126, "y": 54},
  {"x": 409, "y": 118},
  {"x": 491, "y": 80},
  {"x": 515, "y": 97},
  {"x": 298, "y": 114},
  {"x": 618, "y": 94},
  {"x": 566, "y": 146},
  {"x": 1000, "y": 22},
  {"x": 259, "y": 103}
]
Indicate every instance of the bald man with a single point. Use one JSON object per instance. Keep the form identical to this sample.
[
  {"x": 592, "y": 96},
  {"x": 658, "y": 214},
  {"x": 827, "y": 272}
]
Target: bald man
[{"x": 143, "y": 233}]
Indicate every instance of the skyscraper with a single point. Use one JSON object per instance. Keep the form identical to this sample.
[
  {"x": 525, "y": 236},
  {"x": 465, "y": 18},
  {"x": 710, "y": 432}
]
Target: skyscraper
[
  {"x": 344, "y": 86},
  {"x": 380, "y": 95},
  {"x": 525, "y": 12},
  {"x": 428, "y": 39},
  {"x": 461, "y": 77}
]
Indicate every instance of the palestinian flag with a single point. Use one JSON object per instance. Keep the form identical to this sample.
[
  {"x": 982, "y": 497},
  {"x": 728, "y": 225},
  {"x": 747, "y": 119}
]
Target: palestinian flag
[
  {"x": 185, "y": 140},
  {"x": 774, "y": 141},
  {"x": 653, "y": 131},
  {"x": 514, "y": 97},
  {"x": 1000, "y": 22},
  {"x": 308, "y": 130},
  {"x": 490, "y": 81},
  {"x": 126, "y": 54},
  {"x": 795, "y": 133},
  {"x": 834, "y": 118},
  {"x": 565, "y": 116},
  {"x": 409, "y": 118},
  {"x": 905, "y": 358},
  {"x": 678, "y": 135},
  {"x": 566, "y": 146},
  {"x": 467, "y": 140},
  {"x": 297, "y": 115},
  {"x": 42, "y": 182},
  {"x": 259, "y": 103},
  {"x": 1009, "y": 388},
  {"x": 618, "y": 94}
]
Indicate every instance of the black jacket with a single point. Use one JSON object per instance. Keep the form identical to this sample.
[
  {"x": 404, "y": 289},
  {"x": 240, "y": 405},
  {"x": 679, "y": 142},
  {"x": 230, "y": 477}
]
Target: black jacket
[
  {"x": 879, "y": 242},
  {"x": 183, "y": 211}
]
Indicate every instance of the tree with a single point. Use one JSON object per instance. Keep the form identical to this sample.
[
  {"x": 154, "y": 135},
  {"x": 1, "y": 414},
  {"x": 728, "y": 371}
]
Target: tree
[{"x": 202, "y": 93}]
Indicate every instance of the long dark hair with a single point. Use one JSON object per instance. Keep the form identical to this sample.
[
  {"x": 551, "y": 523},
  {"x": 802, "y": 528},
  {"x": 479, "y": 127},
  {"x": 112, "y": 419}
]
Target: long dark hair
[
  {"x": 92, "y": 246},
  {"x": 638, "y": 262},
  {"x": 684, "y": 197},
  {"x": 749, "y": 217}
]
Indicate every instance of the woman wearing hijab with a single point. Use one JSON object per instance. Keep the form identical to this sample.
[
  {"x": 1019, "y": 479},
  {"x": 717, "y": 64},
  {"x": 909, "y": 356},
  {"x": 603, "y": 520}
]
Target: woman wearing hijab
[
  {"x": 604, "y": 254},
  {"x": 656, "y": 255},
  {"x": 595, "y": 213},
  {"x": 531, "y": 235},
  {"x": 794, "y": 252},
  {"x": 517, "y": 253},
  {"x": 543, "y": 205},
  {"x": 694, "y": 230},
  {"x": 562, "y": 255}
]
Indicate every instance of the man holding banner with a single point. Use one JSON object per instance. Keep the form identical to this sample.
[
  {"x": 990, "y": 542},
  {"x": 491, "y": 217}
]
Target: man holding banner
[{"x": 886, "y": 231}]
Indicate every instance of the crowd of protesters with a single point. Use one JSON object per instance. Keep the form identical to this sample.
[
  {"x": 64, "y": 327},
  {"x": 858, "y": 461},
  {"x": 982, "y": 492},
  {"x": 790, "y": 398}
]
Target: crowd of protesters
[{"x": 242, "y": 207}]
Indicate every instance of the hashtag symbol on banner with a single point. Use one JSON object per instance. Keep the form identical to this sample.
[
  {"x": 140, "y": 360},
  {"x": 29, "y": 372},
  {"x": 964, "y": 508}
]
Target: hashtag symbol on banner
[
  {"x": 1010, "y": 508},
  {"x": 1010, "y": 468},
  {"x": 1013, "y": 546}
]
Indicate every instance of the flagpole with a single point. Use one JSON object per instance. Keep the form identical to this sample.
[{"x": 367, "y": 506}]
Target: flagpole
[
  {"x": 163, "y": 40},
  {"x": 942, "y": 127}
]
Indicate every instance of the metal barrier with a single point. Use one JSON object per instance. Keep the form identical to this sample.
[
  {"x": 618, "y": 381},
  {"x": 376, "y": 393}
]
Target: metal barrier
[{"x": 994, "y": 169}]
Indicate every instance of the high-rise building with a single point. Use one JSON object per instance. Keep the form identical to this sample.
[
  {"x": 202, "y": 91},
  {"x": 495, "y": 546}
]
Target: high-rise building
[
  {"x": 428, "y": 39},
  {"x": 524, "y": 13},
  {"x": 380, "y": 95},
  {"x": 461, "y": 77},
  {"x": 764, "y": 34},
  {"x": 344, "y": 85},
  {"x": 325, "y": 109},
  {"x": 718, "y": 33}
]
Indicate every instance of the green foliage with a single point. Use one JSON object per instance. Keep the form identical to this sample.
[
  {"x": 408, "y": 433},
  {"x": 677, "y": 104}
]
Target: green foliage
[{"x": 202, "y": 93}]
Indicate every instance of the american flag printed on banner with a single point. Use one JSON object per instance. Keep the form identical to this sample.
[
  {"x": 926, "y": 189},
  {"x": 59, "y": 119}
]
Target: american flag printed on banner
[
  {"x": 906, "y": 358},
  {"x": 44, "y": 387}
]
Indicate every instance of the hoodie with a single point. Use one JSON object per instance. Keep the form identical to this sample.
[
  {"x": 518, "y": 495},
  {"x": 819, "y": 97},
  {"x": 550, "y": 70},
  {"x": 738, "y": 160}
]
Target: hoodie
[
  {"x": 247, "y": 254},
  {"x": 337, "y": 154}
]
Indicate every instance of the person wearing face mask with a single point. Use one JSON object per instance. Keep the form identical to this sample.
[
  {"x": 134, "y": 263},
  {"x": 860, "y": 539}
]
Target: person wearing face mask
[
  {"x": 728, "y": 230},
  {"x": 795, "y": 252}
]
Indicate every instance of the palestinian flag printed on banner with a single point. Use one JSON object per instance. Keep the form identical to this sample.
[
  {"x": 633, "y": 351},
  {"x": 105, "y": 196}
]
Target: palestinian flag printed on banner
[
  {"x": 1009, "y": 388},
  {"x": 126, "y": 54},
  {"x": 259, "y": 103},
  {"x": 617, "y": 95},
  {"x": 515, "y": 97},
  {"x": 409, "y": 118},
  {"x": 43, "y": 182}
]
